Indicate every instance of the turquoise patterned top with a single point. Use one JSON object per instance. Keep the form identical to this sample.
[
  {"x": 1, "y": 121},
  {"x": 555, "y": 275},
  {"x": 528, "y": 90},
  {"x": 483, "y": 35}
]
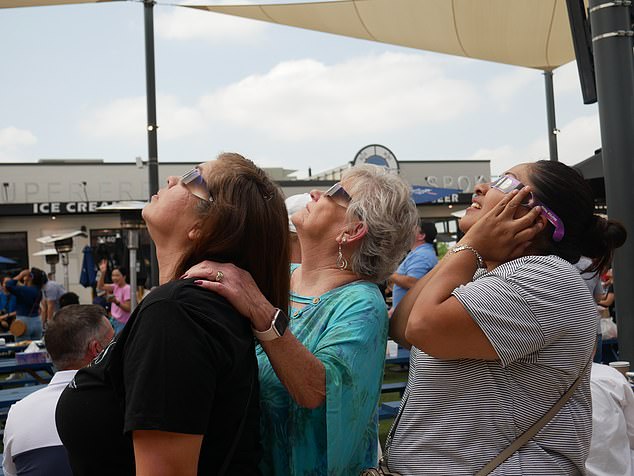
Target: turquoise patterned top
[{"x": 346, "y": 329}]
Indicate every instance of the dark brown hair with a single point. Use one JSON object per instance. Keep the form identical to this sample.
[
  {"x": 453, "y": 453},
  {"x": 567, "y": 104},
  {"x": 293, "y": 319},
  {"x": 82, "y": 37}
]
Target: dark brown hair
[
  {"x": 246, "y": 224},
  {"x": 563, "y": 189}
]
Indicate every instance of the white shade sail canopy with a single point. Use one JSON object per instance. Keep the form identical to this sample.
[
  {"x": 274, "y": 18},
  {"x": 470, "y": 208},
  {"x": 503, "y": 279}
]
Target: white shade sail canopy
[
  {"x": 529, "y": 33},
  {"x": 46, "y": 3}
]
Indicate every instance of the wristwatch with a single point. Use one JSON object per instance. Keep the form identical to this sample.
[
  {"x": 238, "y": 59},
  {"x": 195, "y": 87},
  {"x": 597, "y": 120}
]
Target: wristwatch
[{"x": 277, "y": 329}]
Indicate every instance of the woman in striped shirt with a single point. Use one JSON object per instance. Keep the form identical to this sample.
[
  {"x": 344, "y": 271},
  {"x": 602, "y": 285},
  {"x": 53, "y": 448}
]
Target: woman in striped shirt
[{"x": 501, "y": 328}]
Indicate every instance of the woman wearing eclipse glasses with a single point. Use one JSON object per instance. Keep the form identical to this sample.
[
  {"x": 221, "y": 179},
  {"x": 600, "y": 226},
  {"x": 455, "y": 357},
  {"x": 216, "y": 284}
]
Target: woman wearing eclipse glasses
[
  {"x": 503, "y": 329},
  {"x": 321, "y": 367},
  {"x": 176, "y": 392}
]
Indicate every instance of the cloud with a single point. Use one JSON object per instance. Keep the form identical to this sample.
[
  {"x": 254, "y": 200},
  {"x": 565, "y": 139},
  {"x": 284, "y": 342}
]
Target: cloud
[
  {"x": 12, "y": 137},
  {"x": 125, "y": 118},
  {"x": 11, "y": 140},
  {"x": 579, "y": 139},
  {"x": 576, "y": 142},
  {"x": 506, "y": 87},
  {"x": 305, "y": 98},
  {"x": 189, "y": 24}
]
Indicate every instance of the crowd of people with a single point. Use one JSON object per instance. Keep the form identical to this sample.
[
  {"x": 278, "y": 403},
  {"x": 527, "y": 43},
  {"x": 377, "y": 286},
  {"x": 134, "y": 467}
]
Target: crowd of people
[{"x": 502, "y": 331}]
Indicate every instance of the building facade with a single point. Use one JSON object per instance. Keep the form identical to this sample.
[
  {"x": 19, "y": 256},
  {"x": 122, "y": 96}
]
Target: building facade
[{"x": 55, "y": 197}]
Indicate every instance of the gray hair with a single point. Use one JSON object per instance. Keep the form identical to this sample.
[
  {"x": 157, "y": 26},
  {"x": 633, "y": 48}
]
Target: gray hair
[
  {"x": 382, "y": 201},
  {"x": 71, "y": 330}
]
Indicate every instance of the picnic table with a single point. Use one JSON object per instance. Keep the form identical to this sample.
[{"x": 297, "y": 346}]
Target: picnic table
[
  {"x": 11, "y": 366},
  {"x": 12, "y": 347}
]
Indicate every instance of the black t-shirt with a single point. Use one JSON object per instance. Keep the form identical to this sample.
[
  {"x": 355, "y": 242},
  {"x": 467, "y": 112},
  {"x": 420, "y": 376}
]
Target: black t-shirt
[{"x": 184, "y": 363}]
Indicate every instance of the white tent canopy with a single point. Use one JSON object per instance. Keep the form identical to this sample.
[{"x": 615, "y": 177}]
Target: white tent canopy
[
  {"x": 533, "y": 33},
  {"x": 45, "y": 3}
]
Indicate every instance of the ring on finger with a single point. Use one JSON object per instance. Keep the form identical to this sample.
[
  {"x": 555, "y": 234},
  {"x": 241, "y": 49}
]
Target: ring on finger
[{"x": 219, "y": 276}]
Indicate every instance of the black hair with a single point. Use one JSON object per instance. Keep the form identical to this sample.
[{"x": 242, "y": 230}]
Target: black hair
[
  {"x": 67, "y": 299},
  {"x": 38, "y": 277},
  {"x": 123, "y": 270},
  {"x": 430, "y": 231},
  {"x": 563, "y": 189}
]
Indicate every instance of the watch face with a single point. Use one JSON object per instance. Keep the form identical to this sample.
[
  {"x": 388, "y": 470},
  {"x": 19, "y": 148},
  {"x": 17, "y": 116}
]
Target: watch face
[{"x": 281, "y": 322}]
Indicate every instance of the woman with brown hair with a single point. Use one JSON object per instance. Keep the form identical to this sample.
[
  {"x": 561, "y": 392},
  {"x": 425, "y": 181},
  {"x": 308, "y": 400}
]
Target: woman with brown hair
[{"x": 177, "y": 392}]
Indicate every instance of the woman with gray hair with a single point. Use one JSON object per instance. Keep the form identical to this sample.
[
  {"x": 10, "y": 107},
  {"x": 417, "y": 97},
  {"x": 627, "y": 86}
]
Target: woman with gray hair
[{"x": 321, "y": 370}]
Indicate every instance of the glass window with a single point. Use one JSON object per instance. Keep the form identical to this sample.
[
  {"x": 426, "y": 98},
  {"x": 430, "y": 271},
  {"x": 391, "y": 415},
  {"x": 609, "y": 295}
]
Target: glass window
[{"x": 13, "y": 246}]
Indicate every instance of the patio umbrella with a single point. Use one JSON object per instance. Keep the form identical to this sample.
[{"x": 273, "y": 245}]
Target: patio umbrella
[{"x": 88, "y": 272}]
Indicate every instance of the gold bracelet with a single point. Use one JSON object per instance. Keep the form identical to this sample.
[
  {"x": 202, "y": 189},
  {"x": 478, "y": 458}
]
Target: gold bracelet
[{"x": 478, "y": 256}]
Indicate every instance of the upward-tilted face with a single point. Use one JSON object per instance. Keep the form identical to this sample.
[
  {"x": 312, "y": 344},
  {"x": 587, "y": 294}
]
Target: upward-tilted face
[
  {"x": 485, "y": 197},
  {"x": 515, "y": 179},
  {"x": 325, "y": 214},
  {"x": 172, "y": 211}
]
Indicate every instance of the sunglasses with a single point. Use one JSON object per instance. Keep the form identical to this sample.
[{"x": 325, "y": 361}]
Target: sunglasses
[
  {"x": 507, "y": 184},
  {"x": 338, "y": 195},
  {"x": 195, "y": 183}
]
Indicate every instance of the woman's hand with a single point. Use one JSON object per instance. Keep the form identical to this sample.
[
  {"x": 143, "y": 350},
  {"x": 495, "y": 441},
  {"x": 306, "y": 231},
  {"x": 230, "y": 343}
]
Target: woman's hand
[
  {"x": 500, "y": 235},
  {"x": 238, "y": 287},
  {"x": 103, "y": 266},
  {"x": 302, "y": 373}
]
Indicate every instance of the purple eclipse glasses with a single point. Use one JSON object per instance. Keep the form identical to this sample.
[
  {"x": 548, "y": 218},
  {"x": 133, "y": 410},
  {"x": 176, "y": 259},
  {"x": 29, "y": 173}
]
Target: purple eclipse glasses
[{"x": 507, "y": 184}]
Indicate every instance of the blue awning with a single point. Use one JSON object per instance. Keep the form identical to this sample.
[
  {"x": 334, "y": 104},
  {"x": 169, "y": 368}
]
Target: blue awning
[{"x": 422, "y": 194}]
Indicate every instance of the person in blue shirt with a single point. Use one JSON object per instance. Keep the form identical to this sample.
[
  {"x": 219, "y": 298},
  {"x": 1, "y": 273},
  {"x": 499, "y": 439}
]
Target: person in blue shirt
[
  {"x": 420, "y": 261},
  {"x": 28, "y": 297},
  {"x": 320, "y": 373},
  {"x": 7, "y": 305}
]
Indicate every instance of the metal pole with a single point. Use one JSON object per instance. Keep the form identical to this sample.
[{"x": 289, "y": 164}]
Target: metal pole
[
  {"x": 64, "y": 257},
  {"x": 133, "y": 245},
  {"x": 611, "y": 29},
  {"x": 133, "y": 283},
  {"x": 150, "y": 82},
  {"x": 550, "y": 112}
]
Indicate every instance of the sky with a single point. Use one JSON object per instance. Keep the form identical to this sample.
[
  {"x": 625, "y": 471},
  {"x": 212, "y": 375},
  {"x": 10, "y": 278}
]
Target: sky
[{"x": 73, "y": 87}]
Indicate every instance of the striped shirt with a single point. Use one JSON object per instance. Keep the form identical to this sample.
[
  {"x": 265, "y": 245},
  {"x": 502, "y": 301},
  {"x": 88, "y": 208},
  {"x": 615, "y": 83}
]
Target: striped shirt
[{"x": 458, "y": 415}]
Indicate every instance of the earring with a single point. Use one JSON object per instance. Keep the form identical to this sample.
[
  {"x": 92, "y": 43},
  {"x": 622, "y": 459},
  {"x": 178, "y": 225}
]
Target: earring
[{"x": 342, "y": 263}]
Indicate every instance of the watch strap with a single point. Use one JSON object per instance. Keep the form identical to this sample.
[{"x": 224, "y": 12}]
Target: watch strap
[{"x": 278, "y": 326}]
